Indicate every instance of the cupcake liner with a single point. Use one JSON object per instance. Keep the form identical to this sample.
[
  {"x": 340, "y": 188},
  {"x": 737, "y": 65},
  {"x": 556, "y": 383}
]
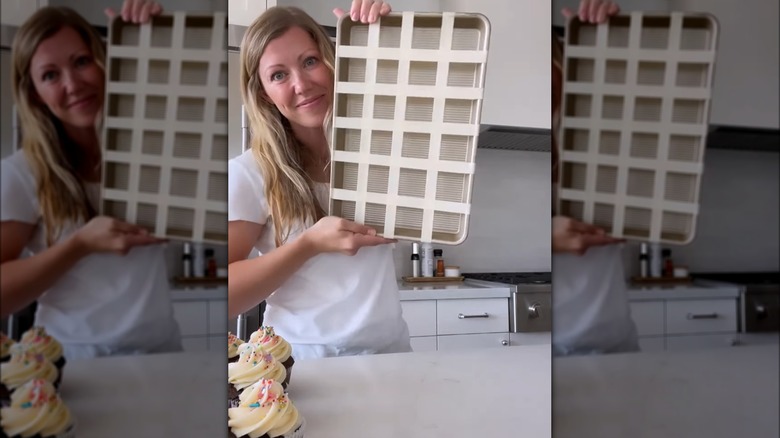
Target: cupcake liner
[
  {"x": 60, "y": 363},
  {"x": 233, "y": 359},
  {"x": 298, "y": 432}
]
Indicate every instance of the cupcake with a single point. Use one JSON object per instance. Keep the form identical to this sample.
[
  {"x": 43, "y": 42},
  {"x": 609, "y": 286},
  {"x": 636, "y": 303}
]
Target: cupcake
[
  {"x": 40, "y": 342},
  {"x": 253, "y": 364},
  {"x": 25, "y": 365},
  {"x": 5, "y": 347},
  {"x": 36, "y": 411},
  {"x": 233, "y": 343},
  {"x": 276, "y": 345},
  {"x": 265, "y": 411}
]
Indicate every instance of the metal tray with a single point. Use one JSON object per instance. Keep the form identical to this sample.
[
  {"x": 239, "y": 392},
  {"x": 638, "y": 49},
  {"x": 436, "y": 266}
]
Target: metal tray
[
  {"x": 636, "y": 105},
  {"x": 165, "y": 132},
  {"x": 408, "y": 99}
]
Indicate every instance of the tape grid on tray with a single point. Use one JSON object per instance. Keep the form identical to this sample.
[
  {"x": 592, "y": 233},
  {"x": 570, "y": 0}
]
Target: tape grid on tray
[
  {"x": 165, "y": 130},
  {"x": 634, "y": 123},
  {"x": 406, "y": 121}
]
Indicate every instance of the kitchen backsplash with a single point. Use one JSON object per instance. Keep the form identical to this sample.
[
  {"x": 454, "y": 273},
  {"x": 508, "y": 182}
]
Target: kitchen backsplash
[
  {"x": 737, "y": 229},
  {"x": 509, "y": 227}
]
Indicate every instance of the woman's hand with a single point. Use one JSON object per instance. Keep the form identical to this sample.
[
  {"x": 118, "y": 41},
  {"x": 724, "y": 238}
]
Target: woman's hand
[
  {"x": 107, "y": 234},
  {"x": 365, "y": 11},
  {"x": 334, "y": 234},
  {"x": 573, "y": 236},
  {"x": 593, "y": 11},
  {"x": 137, "y": 11}
]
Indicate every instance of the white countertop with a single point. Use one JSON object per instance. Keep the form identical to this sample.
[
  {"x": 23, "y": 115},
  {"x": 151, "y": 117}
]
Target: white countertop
[
  {"x": 449, "y": 290},
  {"x": 491, "y": 393},
  {"x": 158, "y": 395},
  {"x": 699, "y": 289},
  {"x": 724, "y": 392}
]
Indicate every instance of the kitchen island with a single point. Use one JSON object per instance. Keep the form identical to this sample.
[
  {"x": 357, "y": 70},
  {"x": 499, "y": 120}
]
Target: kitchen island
[
  {"x": 490, "y": 393},
  {"x": 156, "y": 395},
  {"x": 719, "y": 392}
]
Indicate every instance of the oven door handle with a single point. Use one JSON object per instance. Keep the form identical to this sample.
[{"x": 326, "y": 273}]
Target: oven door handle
[
  {"x": 712, "y": 315},
  {"x": 481, "y": 315}
]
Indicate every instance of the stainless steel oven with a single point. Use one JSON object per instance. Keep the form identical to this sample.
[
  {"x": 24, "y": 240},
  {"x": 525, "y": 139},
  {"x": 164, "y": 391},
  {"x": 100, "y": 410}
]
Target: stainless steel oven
[
  {"x": 759, "y": 304},
  {"x": 530, "y": 304}
]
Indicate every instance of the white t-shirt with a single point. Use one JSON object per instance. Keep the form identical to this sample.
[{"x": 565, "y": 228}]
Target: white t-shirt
[
  {"x": 590, "y": 303},
  {"x": 106, "y": 303},
  {"x": 334, "y": 304}
]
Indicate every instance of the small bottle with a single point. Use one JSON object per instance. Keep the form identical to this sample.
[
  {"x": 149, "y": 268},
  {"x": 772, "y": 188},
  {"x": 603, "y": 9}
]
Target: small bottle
[
  {"x": 643, "y": 260},
  {"x": 211, "y": 263},
  {"x": 186, "y": 260},
  {"x": 656, "y": 265},
  {"x": 437, "y": 253},
  {"x": 426, "y": 259},
  {"x": 415, "y": 265},
  {"x": 668, "y": 265},
  {"x": 198, "y": 264}
]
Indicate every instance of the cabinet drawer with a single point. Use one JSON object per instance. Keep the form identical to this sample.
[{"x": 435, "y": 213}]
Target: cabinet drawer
[
  {"x": 192, "y": 317},
  {"x": 423, "y": 343},
  {"x": 696, "y": 342},
  {"x": 701, "y": 316},
  {"x": 218, "y": 317},
  {"x": 464, "y": 342},
  {"x": 454, "y": 317},
  {"x": 648, "y": 316},
  {"x": 420, "y": 316},
  {"x": 653, "y": 343}
]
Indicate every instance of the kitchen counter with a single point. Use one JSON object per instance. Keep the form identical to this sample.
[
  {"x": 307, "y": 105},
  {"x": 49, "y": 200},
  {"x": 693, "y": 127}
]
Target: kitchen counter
[
  {"x": 449, "y": 290},
  {"x": 158, "y": 395},
  {"x": 721, "y": 392},
  {"x": 697, "y": 289},
  {"x": 491, "y": 393}
]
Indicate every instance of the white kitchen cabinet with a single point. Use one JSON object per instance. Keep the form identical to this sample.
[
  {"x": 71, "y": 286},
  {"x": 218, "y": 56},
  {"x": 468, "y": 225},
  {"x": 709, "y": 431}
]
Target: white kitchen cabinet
[
  {"x": 472, "y": 316},
  {"x": 648, "y": 317},
  {"x": 192, "y": 317},
  {"x": 538, "y": 338},
  {"x": 517, "y": 84},
  {"x": 15, "y": 12},
  {"x": 195, "y": 343},
  {"x": 674, "y": 322},
  {"x": 701, "y": 316},
  {"x": 423, "y": 343},
  {"x": 434, "y": 324},
  {"x": 243, "y": 12},
  {"x": 473, "y": 341},
  {"x": 420, "y": 316},
  {"x": 652, "y": 343},
  {"x": 202, "y": 317}
]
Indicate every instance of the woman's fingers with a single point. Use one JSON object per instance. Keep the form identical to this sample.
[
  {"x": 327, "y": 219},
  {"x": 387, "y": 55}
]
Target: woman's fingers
[
  {"x": 373, "y": 13},
  {"x": 365, "y": 9}
]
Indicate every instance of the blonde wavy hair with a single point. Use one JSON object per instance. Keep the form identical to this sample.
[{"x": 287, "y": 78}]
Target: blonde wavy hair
[
  {"x": 52, "y": 156},
  {"x": 288, "y": 188}
]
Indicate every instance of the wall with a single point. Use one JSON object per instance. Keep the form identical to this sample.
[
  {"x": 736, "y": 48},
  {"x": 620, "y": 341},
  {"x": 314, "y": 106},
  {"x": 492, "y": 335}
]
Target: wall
[
  {"x": 6, "y": 104},
  {"x": 510, "y": 217},
  {"x": 737, "y": 229}
]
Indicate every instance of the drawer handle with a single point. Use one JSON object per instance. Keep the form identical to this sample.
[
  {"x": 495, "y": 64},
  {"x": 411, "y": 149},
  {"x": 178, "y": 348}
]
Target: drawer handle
[
  {"x": 702, "y": 315},
  {"x": 481, "y": 315}
]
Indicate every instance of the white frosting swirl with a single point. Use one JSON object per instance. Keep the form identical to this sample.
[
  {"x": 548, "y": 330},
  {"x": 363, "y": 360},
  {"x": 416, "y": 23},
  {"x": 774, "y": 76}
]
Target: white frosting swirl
[
  {"x": 233, "y": 344},
  {"x": 35, "y": 409},
  {"x": 24, "y": 366},
  {"x": 41, "y": 342},
  {"x": 273, "y": 343},
  {"x": 253, "y": 364},
  {"x": 264, "y": 408},
  {"x": 5, "y": 345}
]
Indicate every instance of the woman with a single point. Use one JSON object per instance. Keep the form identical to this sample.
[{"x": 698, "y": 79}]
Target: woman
[
  {"x": 590, "y": 303},
  {"x": 101, "y": 284},
  {"x": 329, "y": 284}
]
